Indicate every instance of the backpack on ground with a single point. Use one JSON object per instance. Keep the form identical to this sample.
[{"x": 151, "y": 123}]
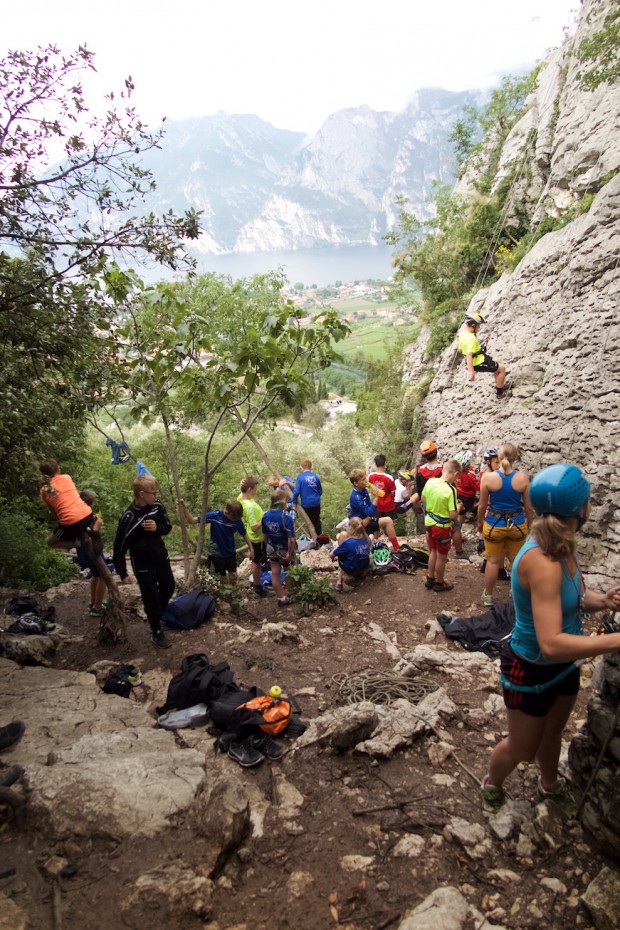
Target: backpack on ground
[
  {"x": 189, "y": 610},
  {"x": 419, "y": 556},
  {"x": 31, "y": 625},
  {"x": 195, "y": 716},
  {"x": 199, "y": 682},
  {"x": 23, "y": 604},
  {"x": 251, "y": 710},
  {"x": 122, "y": 679}
]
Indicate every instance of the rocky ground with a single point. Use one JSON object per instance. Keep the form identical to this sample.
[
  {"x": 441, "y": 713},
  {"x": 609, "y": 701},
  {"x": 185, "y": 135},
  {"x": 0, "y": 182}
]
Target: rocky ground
[{"x": 371, "y": 812}]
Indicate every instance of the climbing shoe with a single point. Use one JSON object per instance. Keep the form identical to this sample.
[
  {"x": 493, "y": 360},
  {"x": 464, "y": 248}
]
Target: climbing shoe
[
  {"x": 11, "y": 733},
  {"x": 247, "y": 756},
  {"x": 269, "y": 747},
  {"x": 160, "y": 640}
]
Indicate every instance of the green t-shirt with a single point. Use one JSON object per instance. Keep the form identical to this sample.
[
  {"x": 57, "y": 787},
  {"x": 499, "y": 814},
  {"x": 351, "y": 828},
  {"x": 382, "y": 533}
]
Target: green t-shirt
[
  {"x": 252, "y": 513},
  {"x": 439, "y": 498},
  {"x": 469, "y": 342}
]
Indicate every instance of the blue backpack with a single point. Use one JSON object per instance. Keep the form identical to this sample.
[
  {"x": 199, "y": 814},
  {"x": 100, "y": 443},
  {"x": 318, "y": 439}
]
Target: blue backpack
[{"x": 189, "y": 610}]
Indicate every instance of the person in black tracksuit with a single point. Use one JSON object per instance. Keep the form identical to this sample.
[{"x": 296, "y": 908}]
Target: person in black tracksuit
[{"x": 140, "y": 531}]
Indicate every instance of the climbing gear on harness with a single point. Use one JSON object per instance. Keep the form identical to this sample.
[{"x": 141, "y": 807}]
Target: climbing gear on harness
[{"x": 559, "y": 489}]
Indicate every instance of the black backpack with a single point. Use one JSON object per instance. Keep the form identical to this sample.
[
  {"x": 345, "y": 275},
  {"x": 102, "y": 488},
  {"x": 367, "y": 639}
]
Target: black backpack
[
  {"x": 189, "y": 610},
  {"x": 198, "y": 682},
  {"x": 24, "y": 604}
]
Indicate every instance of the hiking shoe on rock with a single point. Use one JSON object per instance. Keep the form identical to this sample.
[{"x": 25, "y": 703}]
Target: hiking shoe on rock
[
  {"x": 440, "y": 586},
  {"x": 269, "y": 747},
  {"x": 159, "y": 639},
  {"x": 492, "y": 797},
  {"x": 244, "y": 754},
  {"x": 11, "y": 733},
  {"x": 429, "y": 583},
  {"x": 487, "y": 599},
  {"x": 97, "y": 611},
  {"x": 11, "y": 775},
  {"x": 461, "y": 555},
  {"x": 561, "y": 793}
]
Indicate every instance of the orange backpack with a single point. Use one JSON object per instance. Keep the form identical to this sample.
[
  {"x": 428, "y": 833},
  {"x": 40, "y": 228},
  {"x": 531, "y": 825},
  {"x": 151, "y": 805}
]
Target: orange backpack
[{"x": 276, "y": 713}]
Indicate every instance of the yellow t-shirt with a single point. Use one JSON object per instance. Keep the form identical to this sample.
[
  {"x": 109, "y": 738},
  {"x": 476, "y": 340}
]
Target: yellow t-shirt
[
  {"x": 252, "y": 514},
  {"x": 439, "y": 498},
  {"x": 469, "y": 342}
]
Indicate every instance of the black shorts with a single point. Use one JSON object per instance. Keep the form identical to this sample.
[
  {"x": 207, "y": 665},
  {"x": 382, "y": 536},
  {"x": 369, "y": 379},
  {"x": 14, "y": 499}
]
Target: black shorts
[
  {"x": 391, "y": 514},
  {"x": 223, "y": 563},
  {"x": 518, "y": 671},
  {"x": 372, "y": 525},
  {"x": 279, "y": 556},
  {"x": 72, "y": 531},
  {"x": 260, "y": 552},
  {"x": 358, "y": 574},
  {"x": 468, "y": 504},
  {"x": 487, "y": 365}
]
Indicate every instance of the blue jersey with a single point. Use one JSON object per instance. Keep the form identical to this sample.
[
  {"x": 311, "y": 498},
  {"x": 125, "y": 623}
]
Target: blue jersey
[
  {"x": 361, "y": 504},
  {"x": 353, "y": 554},
  {"x": 308, "y": 486},
  {"x": 278, "y": 528},
  {"x": 223, "y": 533}
]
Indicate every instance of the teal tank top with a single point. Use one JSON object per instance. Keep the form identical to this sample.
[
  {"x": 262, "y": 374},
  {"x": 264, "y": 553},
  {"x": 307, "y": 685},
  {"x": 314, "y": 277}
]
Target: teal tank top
[{"x": 523, "y": 639}]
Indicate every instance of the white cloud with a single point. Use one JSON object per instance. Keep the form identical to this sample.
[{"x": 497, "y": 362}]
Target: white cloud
[{"x": 291, "y": 63}]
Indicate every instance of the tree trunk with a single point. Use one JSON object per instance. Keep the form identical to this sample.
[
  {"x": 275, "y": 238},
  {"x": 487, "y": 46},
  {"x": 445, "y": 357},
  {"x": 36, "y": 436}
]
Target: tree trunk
[{"x": 172, "y": 459}]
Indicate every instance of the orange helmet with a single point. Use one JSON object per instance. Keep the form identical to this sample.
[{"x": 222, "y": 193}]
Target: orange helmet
[{"x": 427, "y": 447}]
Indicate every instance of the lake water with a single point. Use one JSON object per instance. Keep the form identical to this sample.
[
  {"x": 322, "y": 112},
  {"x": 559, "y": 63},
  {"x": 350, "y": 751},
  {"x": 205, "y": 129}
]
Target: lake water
[{"x": 310, "y": 266}]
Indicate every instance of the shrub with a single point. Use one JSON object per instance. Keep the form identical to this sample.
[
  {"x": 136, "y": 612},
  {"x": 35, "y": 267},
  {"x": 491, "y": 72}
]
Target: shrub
[
  {"x": 25, "y": 560},
  {"x": 307, "y": 589}
]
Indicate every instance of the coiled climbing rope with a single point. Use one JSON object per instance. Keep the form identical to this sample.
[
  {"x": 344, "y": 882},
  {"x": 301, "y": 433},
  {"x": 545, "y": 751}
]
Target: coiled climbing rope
[{"x": 382, "y": 687}]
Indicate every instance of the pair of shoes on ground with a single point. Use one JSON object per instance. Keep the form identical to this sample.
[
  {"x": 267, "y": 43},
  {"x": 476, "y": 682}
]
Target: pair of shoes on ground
[
  {"x": 11, "y": 733},
  {"x": 254, "y": 750},
  {"x": 160, "y": 640},
  {"x": 438, "y": 586}
]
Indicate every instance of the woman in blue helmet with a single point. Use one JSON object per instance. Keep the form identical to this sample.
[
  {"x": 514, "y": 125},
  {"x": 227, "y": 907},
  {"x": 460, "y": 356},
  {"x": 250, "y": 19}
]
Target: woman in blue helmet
[{"x": 539, "y": 674}]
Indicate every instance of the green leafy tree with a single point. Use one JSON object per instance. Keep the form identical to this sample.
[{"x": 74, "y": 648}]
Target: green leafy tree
[
  {"x": 71, "y": 197},
  {"x": 215, "y": 353}
]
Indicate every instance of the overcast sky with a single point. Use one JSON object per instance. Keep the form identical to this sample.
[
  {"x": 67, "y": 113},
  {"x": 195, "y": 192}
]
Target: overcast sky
[{"x": 292, "y": 62}]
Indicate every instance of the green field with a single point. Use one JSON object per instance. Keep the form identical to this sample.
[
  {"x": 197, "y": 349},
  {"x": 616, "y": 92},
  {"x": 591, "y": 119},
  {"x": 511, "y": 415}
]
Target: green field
[{"x": 372, "y": 338}]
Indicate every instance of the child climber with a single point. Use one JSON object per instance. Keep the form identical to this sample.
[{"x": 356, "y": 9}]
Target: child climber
[
  {"x": 279, "y": 531},
  {"x": 253, "y": 515},
  {"x": 477, "y": 359},
  {"x": 362, "y": 506},
  {"x": 441, "y": 512},
  {"x": 353, "y": 554},
  {"x": 224, "y": 524}
]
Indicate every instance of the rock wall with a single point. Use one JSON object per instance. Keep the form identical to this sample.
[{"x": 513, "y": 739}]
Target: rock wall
[{"x": 553, "y": 320}]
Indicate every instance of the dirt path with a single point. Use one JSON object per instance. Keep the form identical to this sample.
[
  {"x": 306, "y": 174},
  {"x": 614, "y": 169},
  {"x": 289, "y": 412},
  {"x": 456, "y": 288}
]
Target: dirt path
[{"x": 299, "y": 873}]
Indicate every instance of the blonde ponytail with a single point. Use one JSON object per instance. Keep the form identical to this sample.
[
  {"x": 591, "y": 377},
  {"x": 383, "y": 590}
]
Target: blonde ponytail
[
  {"x": 554, "y": 536},
  {"x": 508, "y": 455}
]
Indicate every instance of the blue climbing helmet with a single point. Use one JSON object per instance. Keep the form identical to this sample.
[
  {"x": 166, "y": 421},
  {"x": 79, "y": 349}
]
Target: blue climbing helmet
[{"x": 559, "y": 489}]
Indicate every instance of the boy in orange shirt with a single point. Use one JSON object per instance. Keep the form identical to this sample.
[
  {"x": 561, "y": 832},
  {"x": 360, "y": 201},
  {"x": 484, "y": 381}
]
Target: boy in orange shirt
[{"x": 59, "y": 493}]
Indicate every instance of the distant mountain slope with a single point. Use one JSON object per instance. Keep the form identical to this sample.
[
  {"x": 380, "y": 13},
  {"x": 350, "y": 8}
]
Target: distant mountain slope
[{"x": 264, "y": 189}]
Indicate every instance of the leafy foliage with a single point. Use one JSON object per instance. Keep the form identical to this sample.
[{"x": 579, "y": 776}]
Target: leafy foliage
[
  {"x": 309, "y": 589},
  {"x": 25, "y": 560},
  {"x": 601, "y": 54}
]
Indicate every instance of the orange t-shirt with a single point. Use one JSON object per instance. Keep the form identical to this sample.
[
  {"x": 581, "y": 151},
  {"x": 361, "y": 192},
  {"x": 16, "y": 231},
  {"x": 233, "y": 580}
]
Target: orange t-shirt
[{"x": 66, "y": 502}]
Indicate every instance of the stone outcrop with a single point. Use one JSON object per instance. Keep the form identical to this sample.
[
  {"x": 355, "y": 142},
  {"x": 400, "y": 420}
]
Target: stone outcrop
[
  {"x": 601, "y": 809},
  {"x": 95, "y": 763},
  {"x": 552, "y": 320}
]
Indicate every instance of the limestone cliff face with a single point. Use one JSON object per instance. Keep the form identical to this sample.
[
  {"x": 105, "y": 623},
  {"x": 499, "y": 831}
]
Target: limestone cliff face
[{"x": 554, "y": 319}]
